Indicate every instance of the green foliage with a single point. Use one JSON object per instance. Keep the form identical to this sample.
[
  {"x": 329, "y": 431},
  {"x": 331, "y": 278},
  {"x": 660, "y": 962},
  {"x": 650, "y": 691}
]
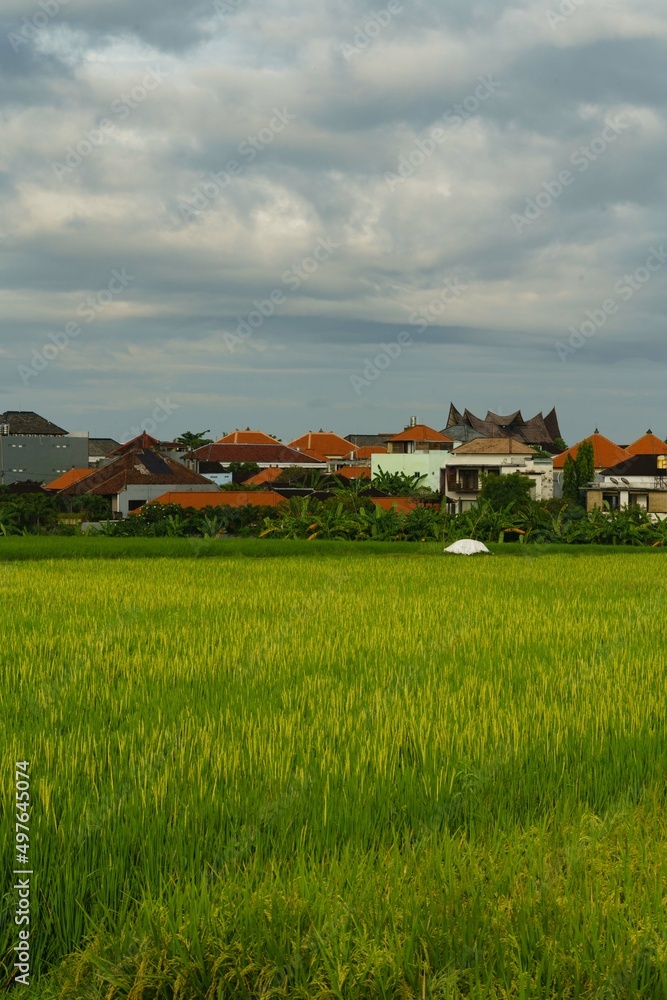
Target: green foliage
[
  {"x": 194, "y": 439},
  {"x": 504, "y": 491},
  {"x": 560, "y": 444},
  {"x": 350, "y": 775},
  {"x": 570, "y": 481},
  {"x": 400, "y": 484},
  {"x": 585, "y": 463}
]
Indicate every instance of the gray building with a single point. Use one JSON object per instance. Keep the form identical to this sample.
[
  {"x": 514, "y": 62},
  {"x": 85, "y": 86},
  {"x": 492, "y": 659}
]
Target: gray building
[{"x": 34, "y": 449}]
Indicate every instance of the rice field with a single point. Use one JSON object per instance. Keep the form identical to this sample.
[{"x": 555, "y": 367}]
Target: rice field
[{"x": 337, "y": 771}]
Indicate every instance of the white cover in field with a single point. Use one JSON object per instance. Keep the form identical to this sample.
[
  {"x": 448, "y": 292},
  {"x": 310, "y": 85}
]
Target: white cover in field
[{"x": 468, "y": 547}]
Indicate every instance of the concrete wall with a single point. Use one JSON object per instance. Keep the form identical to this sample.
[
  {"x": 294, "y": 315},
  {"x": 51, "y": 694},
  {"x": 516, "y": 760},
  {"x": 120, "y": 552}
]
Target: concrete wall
[{"x": 44, "y": 458}]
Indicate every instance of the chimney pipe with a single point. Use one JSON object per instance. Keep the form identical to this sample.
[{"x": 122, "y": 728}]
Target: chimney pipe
[{"x": 413, "y": 421}]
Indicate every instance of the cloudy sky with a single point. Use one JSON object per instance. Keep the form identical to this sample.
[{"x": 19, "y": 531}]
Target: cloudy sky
[{"x": 294, "y": 214}]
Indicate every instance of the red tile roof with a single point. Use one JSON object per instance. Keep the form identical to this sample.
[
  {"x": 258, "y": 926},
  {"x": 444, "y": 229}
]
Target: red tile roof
[
  {"x": 247, "y": 437},
  {"x": 367, "y": 450},
  {"x": 265, "y": 476},
  {"x": 605, "y": 451},
  {"x": 222, "y": 498},
  {"x": 69, "y": 477},
  {"x": 324, "y": 443},
  {"x": 354, "y": 472},
  {"x": 649, "y": 444},
  {"x": 262, "y": 454},
  {"x": 420, "y": 432}
]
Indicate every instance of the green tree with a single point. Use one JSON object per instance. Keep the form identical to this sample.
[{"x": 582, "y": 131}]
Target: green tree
[
  {"x": 570, "y": 481},
  {"x": 195, "y": 439},
  {"x": 585, "y": 463},
  {"x": 500, "y": 491},
  {"x": 560, "y": 444}
]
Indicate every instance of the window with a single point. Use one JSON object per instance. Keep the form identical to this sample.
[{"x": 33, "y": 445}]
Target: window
[
  {"x": 469, "y": 480},
  {"x": 613, "y": 499}
]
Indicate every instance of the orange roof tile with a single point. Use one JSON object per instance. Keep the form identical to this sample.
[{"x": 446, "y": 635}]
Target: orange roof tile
[
  {"x": 247, "y": 437},
  {"x": 324, "y": 443},
  {"x": 367, "y": 450},
  {"x": 69, "y": 477},
  {"x": 606, "y": 453},
  {"x": 223, "y": 498},
  {"x": 265, "y": 476},
  {"x": 649, "y": 444},
  {"x": 420, "y": 432},
  {"x": 402, "y": 504},
  {"x": 354, "y": 472}
]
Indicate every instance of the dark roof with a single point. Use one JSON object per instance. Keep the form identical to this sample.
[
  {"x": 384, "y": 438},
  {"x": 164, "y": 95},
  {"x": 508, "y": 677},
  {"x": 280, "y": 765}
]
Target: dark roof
[
  {"x": 262, "y": 454},
  {"x": 134, "y": 468},
  {"x": 29, "y": 422},
  {"x": 637, "y": 465},
  {"x": 27, "y": 486},
  {"x": 538, "y": 430},
  {"x": 368, "y": 440},
  {"x": 101, "y": 447}
]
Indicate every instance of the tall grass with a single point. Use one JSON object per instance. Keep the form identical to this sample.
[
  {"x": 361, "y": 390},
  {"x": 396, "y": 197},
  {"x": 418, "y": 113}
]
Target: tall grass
[{"x": 341, "y": 777}]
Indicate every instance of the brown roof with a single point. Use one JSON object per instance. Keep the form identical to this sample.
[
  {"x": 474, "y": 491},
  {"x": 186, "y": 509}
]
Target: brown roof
[
  {"x": 247, "y": 437},
  {"x": 537, "y": 430},
  {"x": 494, "y": 446},
  {"x": 135, "y": 468},
  {"x": 29, "y": 422},
  {"x": 101, "y": 447},
  {"x": 324, "y": 443},
  {"x": 143, "y": 440},
  {"x": 262, "y": 454},
  {"x": 420, "y": 432},
  {"x": 605, "y": 452}
]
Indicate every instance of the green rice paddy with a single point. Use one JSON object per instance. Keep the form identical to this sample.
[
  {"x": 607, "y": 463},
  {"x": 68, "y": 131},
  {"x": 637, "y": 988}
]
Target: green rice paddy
[{"x": 339, "y": 771}]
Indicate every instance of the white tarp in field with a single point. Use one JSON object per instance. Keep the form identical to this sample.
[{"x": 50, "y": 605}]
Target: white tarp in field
[{"x": 468, "y": 547}]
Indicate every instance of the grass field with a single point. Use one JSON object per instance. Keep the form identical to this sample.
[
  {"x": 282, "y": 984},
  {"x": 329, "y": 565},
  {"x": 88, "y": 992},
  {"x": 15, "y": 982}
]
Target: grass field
[{"x": 330, "y": 770}]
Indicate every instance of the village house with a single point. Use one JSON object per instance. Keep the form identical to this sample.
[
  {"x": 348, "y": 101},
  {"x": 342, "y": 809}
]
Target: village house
[
  {"x": 34, "y": 449},
  {"x": 540, "y": 432},
  {"x": 640, "y": 480},
  {"x": 326, "y": 447},
  {"x": 418, "y": 451},
  {"x": 605, "y": 455},
  {"x": 136, "y": 473},
  {"x": 463, "y": 476},
  {"x": 213, "y": 460}
]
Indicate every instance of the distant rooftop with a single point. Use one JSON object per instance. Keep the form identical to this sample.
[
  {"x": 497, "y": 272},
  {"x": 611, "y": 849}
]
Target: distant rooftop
[{"x": 29, "y": 422}]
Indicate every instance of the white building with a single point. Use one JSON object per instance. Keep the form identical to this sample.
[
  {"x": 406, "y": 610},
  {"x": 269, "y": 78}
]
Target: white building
[{"x": 458, "y": 472}]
